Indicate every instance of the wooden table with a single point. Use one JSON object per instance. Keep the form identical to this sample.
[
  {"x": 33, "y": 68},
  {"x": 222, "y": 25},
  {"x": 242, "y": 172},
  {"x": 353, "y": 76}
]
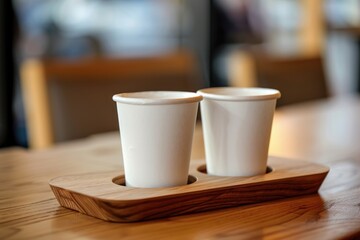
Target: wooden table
[{"x": 326, "y": 132}]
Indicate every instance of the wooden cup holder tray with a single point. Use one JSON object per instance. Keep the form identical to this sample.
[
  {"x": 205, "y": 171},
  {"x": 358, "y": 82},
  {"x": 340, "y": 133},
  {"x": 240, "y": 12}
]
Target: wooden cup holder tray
[{"x": 104, "y": 196}]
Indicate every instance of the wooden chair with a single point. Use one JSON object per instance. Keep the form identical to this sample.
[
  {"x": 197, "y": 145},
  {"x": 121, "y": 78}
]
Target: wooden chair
[
  {"x": 66, "y": 99},
  {"x": 299, "y": 78}
]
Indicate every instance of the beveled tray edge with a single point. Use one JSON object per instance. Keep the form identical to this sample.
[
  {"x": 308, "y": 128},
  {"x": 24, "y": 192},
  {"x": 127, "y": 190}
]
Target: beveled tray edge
[{"x": 206, "y": 196}]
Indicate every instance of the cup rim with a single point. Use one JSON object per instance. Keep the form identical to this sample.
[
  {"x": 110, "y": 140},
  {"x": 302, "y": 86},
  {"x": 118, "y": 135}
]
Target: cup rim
[
  {"x": 239, "y": 93},
  {"x": 157, "y": 97}
]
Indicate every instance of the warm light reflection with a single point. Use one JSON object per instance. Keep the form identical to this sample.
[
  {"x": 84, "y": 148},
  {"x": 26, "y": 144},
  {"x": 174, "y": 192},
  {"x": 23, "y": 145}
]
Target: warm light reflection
[{"x": 321, "y": 130}]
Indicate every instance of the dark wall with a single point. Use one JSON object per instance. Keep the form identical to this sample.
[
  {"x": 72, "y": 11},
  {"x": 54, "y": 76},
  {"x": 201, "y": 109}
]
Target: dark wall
[{"x": 7, "y": 37}]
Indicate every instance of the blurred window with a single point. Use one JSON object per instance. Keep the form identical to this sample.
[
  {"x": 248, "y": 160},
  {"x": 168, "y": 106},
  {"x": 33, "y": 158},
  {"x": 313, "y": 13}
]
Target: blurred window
[{"x": 73, "y": 28}]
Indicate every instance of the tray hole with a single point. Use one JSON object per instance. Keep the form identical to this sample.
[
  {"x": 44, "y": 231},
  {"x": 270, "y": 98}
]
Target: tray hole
[
  {"x": 202, "y": 169},
  {"x": 120, "y": 180}
]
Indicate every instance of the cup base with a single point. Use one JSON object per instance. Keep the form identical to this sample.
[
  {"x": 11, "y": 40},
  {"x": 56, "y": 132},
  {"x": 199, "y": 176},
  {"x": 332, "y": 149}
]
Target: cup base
[
  {"x": 203, "y": 169},
  {"x": 120, "y": 180}
]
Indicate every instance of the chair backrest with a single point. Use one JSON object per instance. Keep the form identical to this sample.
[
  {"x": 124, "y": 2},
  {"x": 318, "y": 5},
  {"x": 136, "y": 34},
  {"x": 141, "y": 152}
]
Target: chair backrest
[
  {"x": 298, "y": 78},
  {"x": 71, "y": 99}
]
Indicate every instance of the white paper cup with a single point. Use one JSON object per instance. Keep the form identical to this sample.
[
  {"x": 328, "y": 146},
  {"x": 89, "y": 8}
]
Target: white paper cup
[
  {"x": 237, "y": 126},
  {"x": 156, "y": 130}
]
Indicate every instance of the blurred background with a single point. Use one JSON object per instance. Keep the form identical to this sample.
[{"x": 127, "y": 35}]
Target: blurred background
[{"x": 62, "y": 60}]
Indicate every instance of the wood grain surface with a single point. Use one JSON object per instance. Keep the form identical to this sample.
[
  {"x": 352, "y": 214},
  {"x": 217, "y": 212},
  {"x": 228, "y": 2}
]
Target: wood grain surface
[
  {"x": 104, "y": 196},
  {"x": 325, "y": 132}
]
